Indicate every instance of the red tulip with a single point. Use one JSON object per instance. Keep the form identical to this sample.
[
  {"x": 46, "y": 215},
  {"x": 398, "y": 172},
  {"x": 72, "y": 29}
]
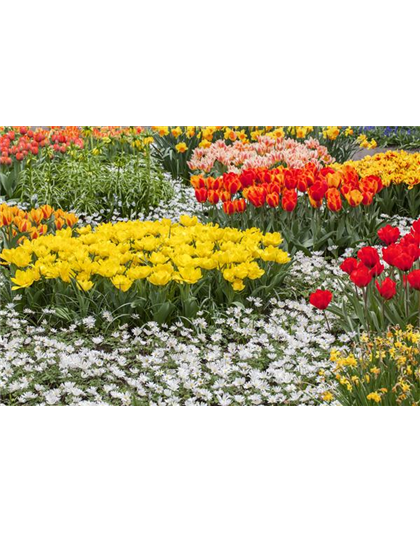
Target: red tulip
[
  {"x": 361, "y": 276},
  {"x": 377, "y": 270},
  {"x": 290, "y": 179},
  {"x": 302, "y": 185},
  {"x": 389, "y": 234},
  {"x": 413, "y": 250},
  {"x": 317, "y": 190},
  {"x": 274, "y": 187},
  {"x": 387, "y": 289},
  {"x": 228, "y": 208},
  {"x": 389, "y": 254},
  {"x": 198, "y": 182},
  {"x": 201, "y": 195},
  {"x": 320, "y": 299},
  {"x": 368, "y": 256},
  {"x": 367, "y": 198},
  {"x": 325, "y": 171},
  {"x": 349, "y": 264},
  {"x": 403, "y": 261},
  {"x": 413, "y": 279},
  {"x": 247, "y": 178},
  {"x": 289, "y": 200}
]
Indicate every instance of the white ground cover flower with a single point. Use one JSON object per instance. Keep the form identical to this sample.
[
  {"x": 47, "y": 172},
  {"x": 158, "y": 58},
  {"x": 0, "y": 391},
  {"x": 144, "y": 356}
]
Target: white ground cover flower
[{"x": 249, "y": 359}]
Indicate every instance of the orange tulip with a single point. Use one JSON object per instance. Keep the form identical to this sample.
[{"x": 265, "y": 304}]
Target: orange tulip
[
  {"x": 354, "y": 198},
  {"x": 240, "y": 205},
  {"x": 198, "y": 182},
  {"x": 47, "y": 211},
  {"x": 334, "y": 180},
  {"x": 228, "y": 208},
  {"x": 59, "y": 223},
  {"x": 334, "y": 202},
  {"x": 225, "y": 196},
  {"x": 273, "y": 199},
  {"x": 213, "y": 197},
  {"x": 71, "y": 219},
  {"x": 256, "y": 195},
  {"x": 36, "y": 215}
]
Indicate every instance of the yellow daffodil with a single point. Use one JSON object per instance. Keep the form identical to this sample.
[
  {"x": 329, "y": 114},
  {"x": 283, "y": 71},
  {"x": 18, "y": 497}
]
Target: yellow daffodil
[
  {"x": 327, "y": 396},
  {"x": 181, "y": 147},
  {"x": 374, "y": 397}
]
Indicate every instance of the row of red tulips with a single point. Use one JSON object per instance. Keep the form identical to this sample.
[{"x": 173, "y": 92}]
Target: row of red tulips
[
  {"x": 280, "y": 186},
  {"x": 401, "y": 255}
]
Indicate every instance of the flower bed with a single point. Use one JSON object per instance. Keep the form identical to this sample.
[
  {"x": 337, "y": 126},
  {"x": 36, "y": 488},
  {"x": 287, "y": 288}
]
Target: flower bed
[
  {"x": 146, "y": 267},
  {"x": 17, "y": 224},
  {"x": 325, "y": 201},
  {"x": 394, "y": 168},
  {"x": 174, "y": 145},
  {"x": 188, "y": 298},
  {"x": 400, "y": 174},
  {"x": 377, "y": 297},
  {"x": 266, "y": 153},
  {"x": 385, "y": 370}
]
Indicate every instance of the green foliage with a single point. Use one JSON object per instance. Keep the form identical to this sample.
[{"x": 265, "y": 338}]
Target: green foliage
[
  {"x": 130, "y": 184},
  {"x": 400, "y": 200}
]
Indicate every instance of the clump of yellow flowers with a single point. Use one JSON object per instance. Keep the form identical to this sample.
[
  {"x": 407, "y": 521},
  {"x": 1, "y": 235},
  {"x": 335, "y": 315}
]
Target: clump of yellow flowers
[
  {"x": 385, "y": 371},
  {"x": 209, "y": 134},
  {"x": 203, "y": 136},
  {"x": 158, "y": 252},
  {"x": 393, "y": 167}
]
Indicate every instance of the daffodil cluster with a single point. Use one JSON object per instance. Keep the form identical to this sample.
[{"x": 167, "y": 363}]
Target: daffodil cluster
[
  {"x": 159, "y": 252},
  {"x": 205, "y": 135},
  {"x": 385, "y": 370}
]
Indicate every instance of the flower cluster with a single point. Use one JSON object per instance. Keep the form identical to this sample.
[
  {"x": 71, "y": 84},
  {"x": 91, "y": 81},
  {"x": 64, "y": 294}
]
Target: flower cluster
[
  {"x": 385, "y": 370},
  {"x": 205, "y": 135},
  {"x": 15, "y": 222},
  {"x": 266, "y": 153},
  {"x": 241, "y": 357},
  {"x": 399, "y": 253},
  {"x": 209, "y": 134},
  {"x": 280, "y": 186},
  {"x": 19, "y": 142},
  {"x": 391, "y": 167},
  {"x": 159, "y": 252}
]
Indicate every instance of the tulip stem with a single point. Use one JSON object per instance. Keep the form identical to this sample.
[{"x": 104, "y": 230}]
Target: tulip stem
[
  {"x": 365, "y": 298},
  {"x": 383, "y": 313},
  {"x": 419, "y": 309},
  {"x": 326, "y": 319}
]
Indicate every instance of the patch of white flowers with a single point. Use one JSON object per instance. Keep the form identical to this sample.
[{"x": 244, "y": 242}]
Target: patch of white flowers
[{"x": 244, "y": 359}]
